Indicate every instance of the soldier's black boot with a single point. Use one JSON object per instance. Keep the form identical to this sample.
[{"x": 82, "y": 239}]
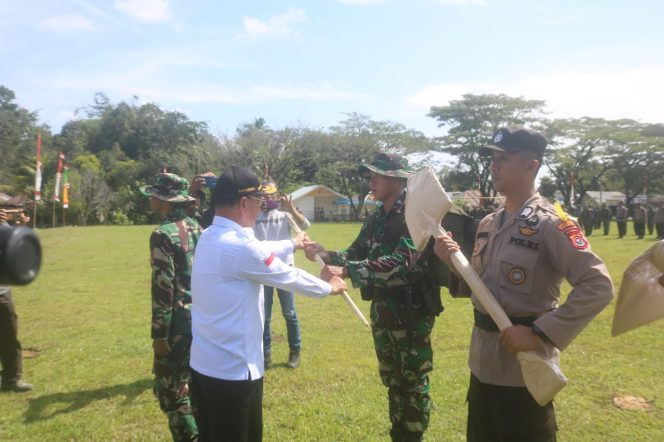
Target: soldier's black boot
[
  {"x": 18, "y": 386},
  {"x": 267, "y": 359},
  {"x": 410, "y": 436},
  {"x": 293, "y": 358},
  {"x": 397, "y": 432}
]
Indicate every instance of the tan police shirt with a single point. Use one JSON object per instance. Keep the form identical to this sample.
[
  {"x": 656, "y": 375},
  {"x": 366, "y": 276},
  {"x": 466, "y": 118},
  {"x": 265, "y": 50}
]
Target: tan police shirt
[{"x": 523, "y": 263}]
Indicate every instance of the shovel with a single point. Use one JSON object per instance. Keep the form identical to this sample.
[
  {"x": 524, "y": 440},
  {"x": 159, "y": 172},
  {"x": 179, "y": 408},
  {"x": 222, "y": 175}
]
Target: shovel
[
  {"x": 641, "y": 296},
  {"x": 322, "y": 264},
  {"x": 426, "y": 206}
]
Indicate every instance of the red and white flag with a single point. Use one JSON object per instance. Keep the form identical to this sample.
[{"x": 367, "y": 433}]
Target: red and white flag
[
  {"x": 38, "y": 175},
  {"x": 58, "y": 177}
]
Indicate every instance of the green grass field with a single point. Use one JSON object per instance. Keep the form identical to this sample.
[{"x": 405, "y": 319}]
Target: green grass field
[{"x": 86, "y": 322}]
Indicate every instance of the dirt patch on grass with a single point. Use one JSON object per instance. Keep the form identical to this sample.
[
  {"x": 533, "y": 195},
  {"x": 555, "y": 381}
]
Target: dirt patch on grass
[
  {"x": 628, "y": 402},
  {"x": 29, "y": 353}
]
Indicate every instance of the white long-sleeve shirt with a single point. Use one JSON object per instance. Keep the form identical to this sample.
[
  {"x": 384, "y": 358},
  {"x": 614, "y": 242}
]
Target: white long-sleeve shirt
[{"x": 230, "y": 266}]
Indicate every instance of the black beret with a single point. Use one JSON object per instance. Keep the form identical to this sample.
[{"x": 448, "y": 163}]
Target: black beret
[{"x": 515, "y": 140}]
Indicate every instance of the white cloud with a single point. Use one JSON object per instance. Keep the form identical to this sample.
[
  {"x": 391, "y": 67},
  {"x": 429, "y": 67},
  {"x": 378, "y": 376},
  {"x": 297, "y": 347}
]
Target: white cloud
[
  {"x": 462, "y": 2},
  {"x": 67, "y": 22},
  {"x": 362, "y": 2},
  {"x": 145, "y": 10},
  {"x": 278, "y": 26},
  {"x": 635, "y": 93},
  {"x": 141, "y": 81}
]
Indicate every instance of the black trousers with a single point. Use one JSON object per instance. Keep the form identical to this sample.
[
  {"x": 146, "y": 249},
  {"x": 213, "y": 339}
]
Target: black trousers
[
  {"x": 622, "y": 228},
  {"x": 10, "y": 348},
  {"x": 507, "y": 414},
  {"x": 227, "y": 410},
  {"x": 640, "y": 229},
  {"x": 660, "y": 230},
  {"x": 607, "y": 226}
]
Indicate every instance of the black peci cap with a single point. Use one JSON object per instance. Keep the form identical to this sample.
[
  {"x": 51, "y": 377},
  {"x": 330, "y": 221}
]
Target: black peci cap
[
  {"x": 516, "y": 140},
  {"x": 237, "y": 182}
]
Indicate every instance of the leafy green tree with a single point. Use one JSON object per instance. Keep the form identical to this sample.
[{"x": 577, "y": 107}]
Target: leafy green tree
[
  {"x": 354, "y": 141},
  {"x": 547, "y": 187},
  {"x": 18, "y": 140}
]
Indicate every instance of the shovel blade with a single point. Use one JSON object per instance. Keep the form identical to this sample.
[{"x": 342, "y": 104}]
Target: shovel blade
[
  {"x": 641, "y": 296},
  {"x": 543, "y": 379},
  {"x": 426, "y": 206}
]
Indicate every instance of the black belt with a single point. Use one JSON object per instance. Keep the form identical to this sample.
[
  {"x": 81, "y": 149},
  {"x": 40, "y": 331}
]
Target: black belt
[{"x": 486, "y": 323}]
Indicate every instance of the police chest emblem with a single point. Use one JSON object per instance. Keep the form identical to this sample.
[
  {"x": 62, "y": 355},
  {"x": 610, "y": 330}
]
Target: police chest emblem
[
  {"x": 525, "y": 213},
  {"x": 527, "y": 230},
  {"x": 498, "y": 137},
  {"x": 530, "y": 226},
  {"x": 517, "y": 276}
]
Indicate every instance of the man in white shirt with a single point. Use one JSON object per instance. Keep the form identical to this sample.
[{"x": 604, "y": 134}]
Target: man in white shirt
[{"x": 230, "y": 266}]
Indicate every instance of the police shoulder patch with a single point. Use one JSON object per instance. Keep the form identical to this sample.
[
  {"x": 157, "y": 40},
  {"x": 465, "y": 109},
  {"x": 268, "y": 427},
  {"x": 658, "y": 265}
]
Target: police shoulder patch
[{"x": 573, "y": 233}]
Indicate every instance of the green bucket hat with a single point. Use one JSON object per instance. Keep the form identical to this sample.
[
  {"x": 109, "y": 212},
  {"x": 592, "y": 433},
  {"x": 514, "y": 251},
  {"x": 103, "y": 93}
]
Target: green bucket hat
[
  {"x": 387, "y": 164},
  {"x": 169, "y": 187}
]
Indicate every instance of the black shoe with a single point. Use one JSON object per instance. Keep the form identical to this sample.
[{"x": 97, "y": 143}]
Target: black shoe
[
  {"x": 267, "y": 360},
  {"x": 293, "y": 359},
  {"x": 18, "y": 387}
]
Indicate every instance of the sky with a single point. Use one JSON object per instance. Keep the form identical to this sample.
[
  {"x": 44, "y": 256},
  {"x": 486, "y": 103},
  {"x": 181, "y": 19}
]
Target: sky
[{"x": 307, "y": 63}]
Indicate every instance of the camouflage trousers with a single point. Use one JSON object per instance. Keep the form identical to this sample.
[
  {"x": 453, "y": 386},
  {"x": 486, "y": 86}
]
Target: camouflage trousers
[
  {"x": 171, "y": 386},
  {"x": 403, "y": 364}
]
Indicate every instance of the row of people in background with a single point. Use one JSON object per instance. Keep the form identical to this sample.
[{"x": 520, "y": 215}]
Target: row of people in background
[{"x": 643, "y": 218}]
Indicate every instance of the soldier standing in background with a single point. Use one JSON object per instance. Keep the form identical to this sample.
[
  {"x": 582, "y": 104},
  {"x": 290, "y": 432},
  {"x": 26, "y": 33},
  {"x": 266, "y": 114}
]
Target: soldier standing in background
[
  {"x": 621, "y": 219},
  {"x": 651, "y": 220},
  {"x": 640, "y": 217},
  {"x": 171, "y": 254},
  {"x": 605, "y": 216},
  {"x": 10, "y": 348},
  {"x": 382, "y": 261},
  {"x": 588, "y": 220},
  {"x": 659, "y": 221}
]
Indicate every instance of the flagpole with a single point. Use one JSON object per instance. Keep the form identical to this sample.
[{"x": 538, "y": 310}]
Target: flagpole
[{"x": 53, "y": 220}]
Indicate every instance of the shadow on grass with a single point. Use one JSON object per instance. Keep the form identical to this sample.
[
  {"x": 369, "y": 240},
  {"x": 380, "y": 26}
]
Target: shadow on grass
[{"x": 47, "y": 407}]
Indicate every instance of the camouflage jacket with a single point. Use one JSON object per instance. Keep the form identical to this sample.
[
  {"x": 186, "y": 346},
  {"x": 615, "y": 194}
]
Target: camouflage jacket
[
  {"x": 378, "y": 257},
  {"x": 171, "y": 254}
]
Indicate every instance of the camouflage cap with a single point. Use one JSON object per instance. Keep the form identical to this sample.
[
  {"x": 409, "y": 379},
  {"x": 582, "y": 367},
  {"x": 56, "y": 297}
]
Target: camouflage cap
[
  {"x": 387, "y": 164},
  {"x": 169, "y": 187}
]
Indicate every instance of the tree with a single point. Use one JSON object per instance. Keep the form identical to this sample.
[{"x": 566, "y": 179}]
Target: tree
[
  {"x": 636, "y": 157},
  {"x": 547, "y": 188},
  {"x": 578, "y": 154},
  {"x": 18, "y": 140},
  {"x": 470, "y": 123},
  {"x": 356, "y": 140}
]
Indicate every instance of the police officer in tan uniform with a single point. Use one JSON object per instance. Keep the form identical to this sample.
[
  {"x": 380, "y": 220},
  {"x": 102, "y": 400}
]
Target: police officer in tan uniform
[{"x": 523, "y": 251}]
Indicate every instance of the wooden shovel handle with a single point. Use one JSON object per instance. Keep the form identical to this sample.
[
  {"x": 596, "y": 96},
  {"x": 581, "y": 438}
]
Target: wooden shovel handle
[{"x": 322, "y": 264}]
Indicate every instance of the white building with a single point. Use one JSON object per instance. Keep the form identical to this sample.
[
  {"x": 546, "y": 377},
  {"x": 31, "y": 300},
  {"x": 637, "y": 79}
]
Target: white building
[{"x": 320, "y": 203}]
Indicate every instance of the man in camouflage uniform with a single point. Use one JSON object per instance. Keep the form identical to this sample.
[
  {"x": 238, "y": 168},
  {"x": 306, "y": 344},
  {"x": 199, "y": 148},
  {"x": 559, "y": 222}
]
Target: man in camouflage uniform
[
  {"x": 171, "y": 253},
  {"x": 382, "y": 261}
]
